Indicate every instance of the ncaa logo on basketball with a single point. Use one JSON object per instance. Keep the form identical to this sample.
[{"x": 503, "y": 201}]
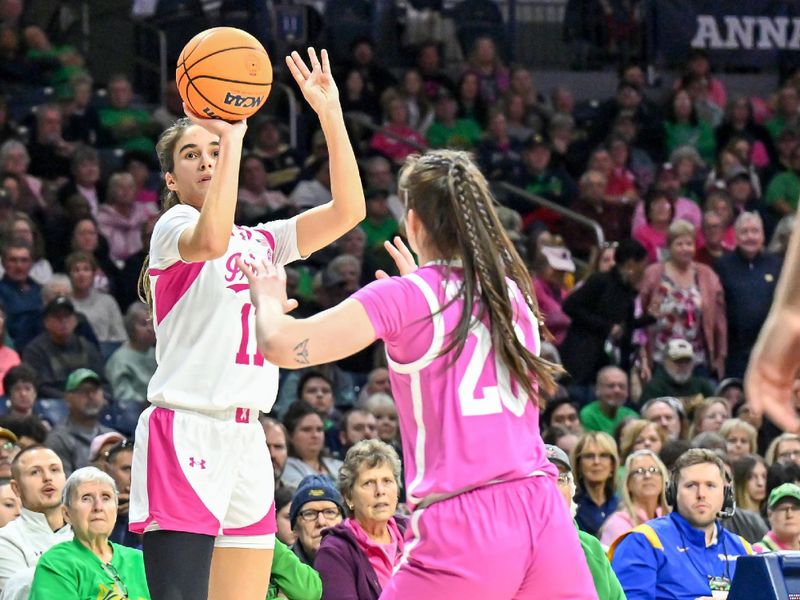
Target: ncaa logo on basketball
[{"x": 242, "y": 101}]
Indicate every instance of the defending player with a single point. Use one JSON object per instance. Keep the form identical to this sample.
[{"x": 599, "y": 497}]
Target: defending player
[{"x": 462, "y": 340}]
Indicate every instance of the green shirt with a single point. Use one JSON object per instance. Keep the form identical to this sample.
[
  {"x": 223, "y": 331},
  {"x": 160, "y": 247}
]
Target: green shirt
[
  {"x": 784, "y": 186},
  {"x": 296, "y": 580},
  {"x": 70, "y": 571},
  {"x": 594, "y": 419},
  {"x": 464, "y": 134},
  {"x": 377, "y": 233},
  {"x": 606, "y": 583},
  {"x": 700, "y": 137}
]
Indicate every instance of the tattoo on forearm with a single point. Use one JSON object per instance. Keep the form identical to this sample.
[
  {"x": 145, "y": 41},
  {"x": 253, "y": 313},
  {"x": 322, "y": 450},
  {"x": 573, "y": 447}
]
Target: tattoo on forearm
[{"x": 301, "y": 352}]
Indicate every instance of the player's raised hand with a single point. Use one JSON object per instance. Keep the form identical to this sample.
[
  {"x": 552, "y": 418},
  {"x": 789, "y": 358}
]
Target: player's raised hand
[
  {"x": 266, "y": 282},
  {"x": 216, "y": 126},
  {"x": 317, "y": 84},
  {"x": 401, "y": 255},
  {"x": 773, "y": 369}
]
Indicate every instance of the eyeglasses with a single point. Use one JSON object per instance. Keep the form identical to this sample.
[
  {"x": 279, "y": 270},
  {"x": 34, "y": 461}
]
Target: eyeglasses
[
  {"x": 563, "y": 479},
  {"x": 310, "y": 515},
  {"x": 592, "y": 457},
  {"x": 118, "y": 583},
  {"x": 118, "y": 447},
  {"x": 641, "y": 472},
  {"x": 8, "y": 446},
  {"x": 787, "y": 508}
]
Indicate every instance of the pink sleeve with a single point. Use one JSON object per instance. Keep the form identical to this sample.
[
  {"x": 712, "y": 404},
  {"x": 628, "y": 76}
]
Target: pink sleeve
[
  {"x": 400, "y": 316},
  {"x": 615, "y": 526}
]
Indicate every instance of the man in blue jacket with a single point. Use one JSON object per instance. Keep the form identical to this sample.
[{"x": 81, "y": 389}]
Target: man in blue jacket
[{"x": 685, "y": 555}]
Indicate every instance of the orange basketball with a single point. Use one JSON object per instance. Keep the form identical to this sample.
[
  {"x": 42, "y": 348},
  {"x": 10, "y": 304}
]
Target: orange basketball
[{"x": 224, "y": 73}]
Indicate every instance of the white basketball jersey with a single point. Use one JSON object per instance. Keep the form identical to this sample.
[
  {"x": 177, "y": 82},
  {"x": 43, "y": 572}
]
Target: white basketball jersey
[{"x": 204, "y": 322}]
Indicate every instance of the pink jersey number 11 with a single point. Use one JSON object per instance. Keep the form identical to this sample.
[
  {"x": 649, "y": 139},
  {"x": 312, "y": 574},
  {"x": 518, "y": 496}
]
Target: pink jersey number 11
[{"x": 242, "y": 357}]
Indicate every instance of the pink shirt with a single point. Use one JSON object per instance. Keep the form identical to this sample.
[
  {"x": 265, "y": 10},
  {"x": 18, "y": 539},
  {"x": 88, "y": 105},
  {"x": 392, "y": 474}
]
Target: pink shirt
[
  {"x": 464, "y": 422},
  {"x": 556, "y": 320},
  {"x": 684, "y": 209},
  {"x": 653, "y": 240},
  {"x": 620, "y": 523},
  {"x": 8, "y": 359},
  {"x": 382, "y": 557}
]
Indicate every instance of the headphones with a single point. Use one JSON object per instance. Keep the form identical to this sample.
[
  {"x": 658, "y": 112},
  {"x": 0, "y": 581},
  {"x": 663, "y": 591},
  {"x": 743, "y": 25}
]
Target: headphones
[{"x": 728, "y": 498}]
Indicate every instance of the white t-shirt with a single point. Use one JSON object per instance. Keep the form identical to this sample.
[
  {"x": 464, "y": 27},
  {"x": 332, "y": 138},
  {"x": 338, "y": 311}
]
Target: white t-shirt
[
  {"x": 24, "y": 540},
  {"x": 204, "y": 322}
]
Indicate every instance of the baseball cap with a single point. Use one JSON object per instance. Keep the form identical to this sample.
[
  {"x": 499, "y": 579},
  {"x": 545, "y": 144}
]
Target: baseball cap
[
  {"x": 101, "y": 440},
  {"x": 785, "y": 490},
  {"x": 59, "y": 304},
  {"x": 312, "y": 489},
  {"x": 557, "y": 456},
  {"x": 8, "y": 435},
  {"x": 679, "y": 348},
  {"x": 736, "y": 172},
  {"x": 78, "y": 376},
  {"x": 559, "y": 258},
  {"x": 730, "y": 382},
  {"x": 535, "y": 141}
]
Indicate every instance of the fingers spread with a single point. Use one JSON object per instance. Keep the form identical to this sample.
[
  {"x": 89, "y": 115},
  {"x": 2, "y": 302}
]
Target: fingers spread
[{"x": 297, "y": 66}]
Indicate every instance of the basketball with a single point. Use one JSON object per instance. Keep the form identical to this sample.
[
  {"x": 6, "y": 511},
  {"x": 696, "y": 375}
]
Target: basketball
[{"x": 224, "y": 73}]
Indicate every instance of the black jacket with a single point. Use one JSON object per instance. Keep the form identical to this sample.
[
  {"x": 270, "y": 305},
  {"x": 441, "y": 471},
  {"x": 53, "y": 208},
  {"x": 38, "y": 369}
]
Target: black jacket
[{"x": 595, "y": 307}]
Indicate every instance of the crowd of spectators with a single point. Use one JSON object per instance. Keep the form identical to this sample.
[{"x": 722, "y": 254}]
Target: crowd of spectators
[{"x": 694, "y": 191}]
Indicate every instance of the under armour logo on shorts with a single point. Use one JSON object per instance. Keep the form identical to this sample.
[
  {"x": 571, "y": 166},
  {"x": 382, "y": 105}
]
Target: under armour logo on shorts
[{"x": 200, "y": 463}]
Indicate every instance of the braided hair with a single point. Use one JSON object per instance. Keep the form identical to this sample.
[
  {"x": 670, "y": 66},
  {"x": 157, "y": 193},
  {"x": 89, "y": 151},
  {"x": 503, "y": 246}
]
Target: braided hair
[{"x": 452, "y": 200}]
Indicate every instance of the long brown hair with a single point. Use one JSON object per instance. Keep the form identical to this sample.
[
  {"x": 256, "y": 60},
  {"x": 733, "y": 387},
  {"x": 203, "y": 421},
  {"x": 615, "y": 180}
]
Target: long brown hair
[
  {"x": 165, "y": 149},
  {"x": 452, "y": 199}
]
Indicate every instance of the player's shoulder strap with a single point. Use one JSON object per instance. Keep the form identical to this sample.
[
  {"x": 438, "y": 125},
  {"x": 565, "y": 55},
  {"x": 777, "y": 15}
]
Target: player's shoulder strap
[{"x": 648, "y": 532}]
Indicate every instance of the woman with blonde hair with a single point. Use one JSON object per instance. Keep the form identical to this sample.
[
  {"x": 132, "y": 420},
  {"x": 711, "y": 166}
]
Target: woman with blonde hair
[
  {"x": 687, "y": 301},
  {"x": 642, "y": 495},
  {"x": 595, "y": 461},
  {"x": 741, "y": 437},
  {"x": 784, "y": 448},
  {"x": 641, "y": 434},
  {"x": 709, "y": 415}
]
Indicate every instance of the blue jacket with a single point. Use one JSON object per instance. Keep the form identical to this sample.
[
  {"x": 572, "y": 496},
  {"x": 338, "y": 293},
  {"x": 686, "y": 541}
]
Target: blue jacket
[{"x": 667, "y": 559}]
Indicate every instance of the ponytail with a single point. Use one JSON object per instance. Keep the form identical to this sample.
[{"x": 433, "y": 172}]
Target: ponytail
[
  {"x": 165, "y": 149},
  {"x": 452, "y": 198}
]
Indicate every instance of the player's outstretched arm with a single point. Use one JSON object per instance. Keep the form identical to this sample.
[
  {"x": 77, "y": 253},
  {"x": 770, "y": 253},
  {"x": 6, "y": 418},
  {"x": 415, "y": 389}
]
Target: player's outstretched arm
[
  {"x": 318, "y": 227},
  {"x": 775, "y": 359},
  {"x": 292, "y": 343}
]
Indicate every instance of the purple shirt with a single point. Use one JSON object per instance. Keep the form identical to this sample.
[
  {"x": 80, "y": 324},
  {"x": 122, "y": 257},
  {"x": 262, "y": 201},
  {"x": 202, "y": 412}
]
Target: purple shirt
[{"x": 464, "y": 422}]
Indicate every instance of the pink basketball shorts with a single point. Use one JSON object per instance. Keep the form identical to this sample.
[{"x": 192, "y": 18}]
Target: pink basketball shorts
[{"x": 509, "y": 541}]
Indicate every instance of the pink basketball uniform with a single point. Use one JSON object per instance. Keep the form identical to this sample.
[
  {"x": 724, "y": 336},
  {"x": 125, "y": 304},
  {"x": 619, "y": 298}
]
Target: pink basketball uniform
[
  {"x": 464, "y": 422},
  {"x": 489, "y": 521}
]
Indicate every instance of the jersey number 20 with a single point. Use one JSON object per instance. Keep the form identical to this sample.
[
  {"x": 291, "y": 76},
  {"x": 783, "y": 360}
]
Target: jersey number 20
[{"x": 489, "y": 400}]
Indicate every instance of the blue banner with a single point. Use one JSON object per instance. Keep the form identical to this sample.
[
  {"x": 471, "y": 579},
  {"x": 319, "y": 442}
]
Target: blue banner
[{"x": 735, "y": 33}]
